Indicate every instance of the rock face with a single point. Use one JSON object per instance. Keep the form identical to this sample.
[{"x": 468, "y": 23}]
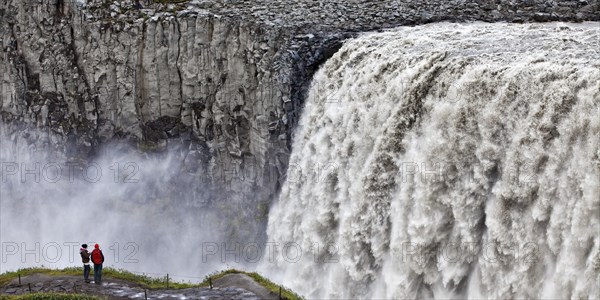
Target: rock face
[{"x": 222, "y": 81}]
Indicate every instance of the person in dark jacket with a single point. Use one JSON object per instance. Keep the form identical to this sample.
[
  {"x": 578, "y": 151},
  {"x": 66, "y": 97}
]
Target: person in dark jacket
[
  {"x": 97, "y": 259},
  {"x": 85, "y": 258}
]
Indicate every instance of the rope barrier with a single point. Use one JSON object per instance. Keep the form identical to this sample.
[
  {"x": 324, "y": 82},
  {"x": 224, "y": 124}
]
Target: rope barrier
[{"x": 163, "y": 274}]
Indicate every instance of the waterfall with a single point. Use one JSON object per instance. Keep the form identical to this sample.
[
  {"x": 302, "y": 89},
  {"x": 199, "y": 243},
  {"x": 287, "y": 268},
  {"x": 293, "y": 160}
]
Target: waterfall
[{"x": 447, "y": 161}]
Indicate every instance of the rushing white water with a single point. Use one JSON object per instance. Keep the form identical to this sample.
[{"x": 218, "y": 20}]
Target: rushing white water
[{"x": 448, "y": 161}]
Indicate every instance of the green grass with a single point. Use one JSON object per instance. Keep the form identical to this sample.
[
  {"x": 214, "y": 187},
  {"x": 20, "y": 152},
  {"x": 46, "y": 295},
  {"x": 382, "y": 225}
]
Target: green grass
[
  {"x": 5, "y": 278},
  {"x": 51, "y": 296},
  {"x": 146, "y": 281},
  {"x": 143, "y": 280},
  {"x": 266, "y": 283}
]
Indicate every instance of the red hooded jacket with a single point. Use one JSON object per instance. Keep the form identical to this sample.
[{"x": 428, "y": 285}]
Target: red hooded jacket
[{"x": 97, "y": 256}]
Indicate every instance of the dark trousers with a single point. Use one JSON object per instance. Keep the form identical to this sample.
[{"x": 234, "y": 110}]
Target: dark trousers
[
  {"x": 97, "y": 273},
  {"x": 86, "y": 272}
]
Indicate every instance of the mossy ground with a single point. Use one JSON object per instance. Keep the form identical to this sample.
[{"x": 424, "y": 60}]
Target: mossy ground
[{"x": 145, "y": 281}]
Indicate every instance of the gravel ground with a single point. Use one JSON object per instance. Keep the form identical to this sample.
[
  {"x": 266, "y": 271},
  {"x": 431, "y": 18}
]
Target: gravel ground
[{"x": 234, "y": 286}]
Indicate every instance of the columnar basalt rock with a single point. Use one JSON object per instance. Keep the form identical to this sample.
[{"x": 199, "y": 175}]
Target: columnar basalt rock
[{"x": 222, "y": 81}]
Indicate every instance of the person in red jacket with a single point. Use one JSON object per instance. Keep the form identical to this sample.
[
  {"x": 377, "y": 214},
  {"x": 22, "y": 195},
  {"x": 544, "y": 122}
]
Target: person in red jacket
[{"x": 97, "y": 260}]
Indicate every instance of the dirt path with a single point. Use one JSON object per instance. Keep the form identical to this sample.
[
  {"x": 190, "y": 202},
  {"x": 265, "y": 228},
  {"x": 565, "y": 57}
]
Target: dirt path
[
  {"x": 245, "y": 282},
  {"x": 232, "y": 286}
]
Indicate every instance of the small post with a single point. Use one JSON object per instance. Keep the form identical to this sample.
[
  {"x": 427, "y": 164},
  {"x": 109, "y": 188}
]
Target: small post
[
  {"x": 145, "y": 295},
  {"x": 167, "y": 280},
  {"x": 29, "y": 284},
  {"x": 280, "y": 293},
  {"x": 19, "y": 279},
  {"x": 210, "y": 283}
]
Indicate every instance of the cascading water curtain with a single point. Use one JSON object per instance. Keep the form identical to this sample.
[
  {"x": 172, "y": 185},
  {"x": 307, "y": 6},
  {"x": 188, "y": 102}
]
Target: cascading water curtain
[{"x": 448, "y": 160}]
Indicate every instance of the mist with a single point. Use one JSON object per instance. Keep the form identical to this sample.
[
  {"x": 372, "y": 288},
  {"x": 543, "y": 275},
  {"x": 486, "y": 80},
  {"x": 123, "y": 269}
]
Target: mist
[{"x": 146, "y": 211}]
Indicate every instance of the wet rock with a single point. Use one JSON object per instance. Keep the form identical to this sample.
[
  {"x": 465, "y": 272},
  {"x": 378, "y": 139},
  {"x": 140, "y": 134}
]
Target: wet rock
[
  {"x": 114, "y": 288},
  {"x": 542, "y": 17}
]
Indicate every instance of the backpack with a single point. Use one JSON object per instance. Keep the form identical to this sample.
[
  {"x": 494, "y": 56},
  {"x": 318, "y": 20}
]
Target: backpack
[{"x": 97, "y": 257}]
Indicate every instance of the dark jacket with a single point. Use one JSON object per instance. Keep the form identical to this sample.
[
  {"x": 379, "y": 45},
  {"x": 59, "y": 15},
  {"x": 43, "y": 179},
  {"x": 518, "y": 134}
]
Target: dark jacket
[
  {"x": 85, "y": 255},
  {"x": 97, "y": 257}
]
